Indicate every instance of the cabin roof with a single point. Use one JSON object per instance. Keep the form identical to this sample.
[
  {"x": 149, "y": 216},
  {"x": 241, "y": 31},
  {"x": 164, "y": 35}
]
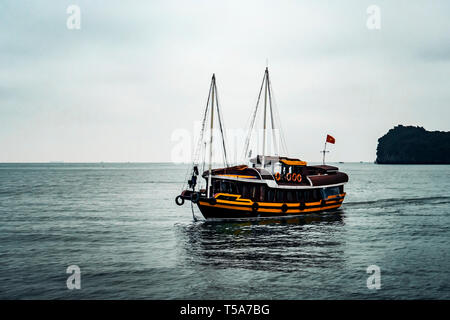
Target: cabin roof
[
  {"x": 326, "y": 167},
  {"x": 267, "y": 159},
  {"x": 293, "y": 162},
  {"x": 274, "y": 159}
]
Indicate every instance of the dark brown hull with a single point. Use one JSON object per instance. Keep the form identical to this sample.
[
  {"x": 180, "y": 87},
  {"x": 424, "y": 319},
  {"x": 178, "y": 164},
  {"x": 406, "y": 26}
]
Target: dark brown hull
[{"x": 228, "y": 210}]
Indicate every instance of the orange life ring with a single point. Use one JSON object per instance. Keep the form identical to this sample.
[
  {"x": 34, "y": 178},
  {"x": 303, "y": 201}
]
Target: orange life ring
[
  {"x": 288, "y": 176},
  {"x": 299, "y": 178},
  {"x": 294, "y": 177},
  {"x": 277, "y": 176}
]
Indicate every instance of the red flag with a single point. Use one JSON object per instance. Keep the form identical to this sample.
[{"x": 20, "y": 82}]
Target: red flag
[{"x": 330, "y": 139}]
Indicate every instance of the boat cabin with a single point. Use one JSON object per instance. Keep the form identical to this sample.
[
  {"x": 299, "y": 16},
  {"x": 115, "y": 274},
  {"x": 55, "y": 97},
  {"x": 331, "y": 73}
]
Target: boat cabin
[{"x": 281, "y": 179}]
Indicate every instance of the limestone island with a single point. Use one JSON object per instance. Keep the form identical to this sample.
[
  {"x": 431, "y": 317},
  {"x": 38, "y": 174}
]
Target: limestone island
[{"x": 413, "y": 145}]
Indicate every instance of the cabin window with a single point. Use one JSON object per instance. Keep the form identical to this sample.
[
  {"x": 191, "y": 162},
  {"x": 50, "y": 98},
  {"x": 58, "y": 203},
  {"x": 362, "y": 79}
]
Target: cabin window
[
  {"x": 270, "y": 195},
  {"x": 279, "y": 196},
  {"x": 246, "y": 191},
  {"x": 216, "y": 186},
  {"x": 255, "y": 192},
  {"x": 300, "y": 195},
  {"x": 316, "y": 195},
  {"x": 289, "y": 196},
  {"x": 331, "y": 191},
  {"x": 239, "y": 187},
  {"x": 233, "y": 188},
  {"x": 262, "y": 193},
  {"x": 306, "y": 195},
  {"x": 224, "y": 186}
]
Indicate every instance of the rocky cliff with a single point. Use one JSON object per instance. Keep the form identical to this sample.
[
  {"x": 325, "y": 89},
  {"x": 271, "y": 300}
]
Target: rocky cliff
[{"x": 413, "y": 145}]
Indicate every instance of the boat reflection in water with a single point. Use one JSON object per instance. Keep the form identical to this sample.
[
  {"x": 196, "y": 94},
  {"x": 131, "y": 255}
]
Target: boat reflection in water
[{"x": 270, "y": 244}]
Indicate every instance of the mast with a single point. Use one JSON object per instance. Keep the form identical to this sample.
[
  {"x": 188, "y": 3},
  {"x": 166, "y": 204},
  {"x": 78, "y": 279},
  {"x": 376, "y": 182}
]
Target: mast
[
  {"x": 265, "y": 84},
  {"x": 274, "y": 139},
  {"x": 211, "y": 135},
  {"x": 324, "y": 151},
  {"x": 264, "y": 130}
]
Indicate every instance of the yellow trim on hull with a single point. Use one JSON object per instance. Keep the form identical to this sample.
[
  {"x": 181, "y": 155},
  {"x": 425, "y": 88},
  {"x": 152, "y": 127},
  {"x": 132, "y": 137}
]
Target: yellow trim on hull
[
  {"x": 240, "y": 201},
  {"x": 206, "y": 204}
]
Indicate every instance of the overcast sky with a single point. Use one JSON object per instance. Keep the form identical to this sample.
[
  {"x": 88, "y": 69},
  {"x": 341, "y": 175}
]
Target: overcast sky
[{"x": 116, "y": 89}]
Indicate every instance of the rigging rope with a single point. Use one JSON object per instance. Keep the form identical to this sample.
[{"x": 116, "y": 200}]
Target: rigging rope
[
  {"x": 252, "y": 121},
  {"x": 219, "y": 116},
  {"x": 198, "y": 149},
  {"x": 275, "y": 120},
  {"x": 278, "y": 119},
  {"x": 274, "y": 140},
  {"x": 200, "y": 138}
]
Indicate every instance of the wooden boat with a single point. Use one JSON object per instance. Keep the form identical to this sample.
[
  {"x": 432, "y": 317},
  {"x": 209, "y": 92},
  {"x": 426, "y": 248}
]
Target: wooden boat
[{"x": 267, "y": 187}]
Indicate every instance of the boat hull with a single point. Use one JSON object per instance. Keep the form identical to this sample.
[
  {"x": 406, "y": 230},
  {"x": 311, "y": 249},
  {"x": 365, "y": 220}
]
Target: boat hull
[{"x": 225, "y": 210}]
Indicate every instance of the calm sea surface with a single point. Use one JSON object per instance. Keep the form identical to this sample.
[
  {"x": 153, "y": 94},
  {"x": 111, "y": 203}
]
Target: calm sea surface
[{"x": 120, "y": 225}]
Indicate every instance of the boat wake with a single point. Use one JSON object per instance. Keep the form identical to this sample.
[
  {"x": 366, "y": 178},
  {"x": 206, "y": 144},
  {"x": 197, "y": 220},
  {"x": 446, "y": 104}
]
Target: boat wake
[{"x": 382, "y": 203}]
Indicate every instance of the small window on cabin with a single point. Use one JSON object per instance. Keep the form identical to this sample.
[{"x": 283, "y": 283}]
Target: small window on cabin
[
  {"x": 270, "y": 195},
  {"x": 322, "y": 193},
  {"x": 300, "y": 195},
  {"x": 331, "y": 191},
  {"x": 262, "y": 193},
  {"x": 289, "y": 196},
  {"x": 230, "y": 187},
  {"x": 223, "y": 186},
  {"x": 307, "y": 195},
  {"x": 249, "y": 191},
  {"x": 280, "y": 196},
  {"x": 255, "y": 192},
  {"x": 216, "y": 186},
  {"x": 233, "y": 188},
  {"x": 238, "y": 187},
  {"x": 246, "y": 191},
  {"x": 242, "y": 189}
]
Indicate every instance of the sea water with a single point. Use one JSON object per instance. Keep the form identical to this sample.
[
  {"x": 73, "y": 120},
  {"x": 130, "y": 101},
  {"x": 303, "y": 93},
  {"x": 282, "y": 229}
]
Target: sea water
[{"x": 119, "y": 224}]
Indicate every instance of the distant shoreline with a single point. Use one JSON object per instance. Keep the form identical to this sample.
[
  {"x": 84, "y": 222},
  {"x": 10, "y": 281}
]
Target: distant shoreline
[
  {"x": 414, "y": 164},
  {"x": 168, "y": 162}
]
